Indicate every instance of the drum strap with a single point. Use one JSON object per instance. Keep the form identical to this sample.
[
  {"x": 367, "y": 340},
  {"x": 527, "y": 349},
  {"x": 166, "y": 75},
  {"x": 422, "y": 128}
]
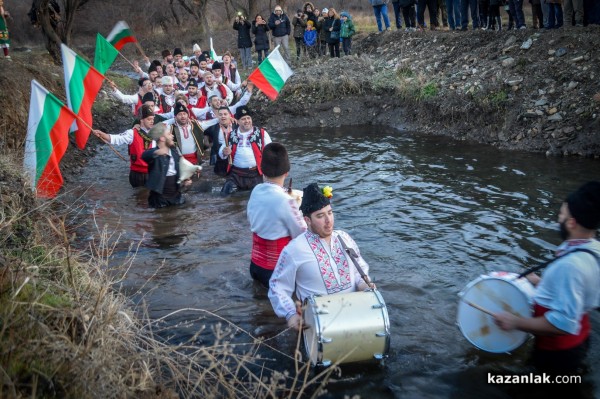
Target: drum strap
[
  {"x": 543, "y": 265},
  {"x": 354, "y": 256}
]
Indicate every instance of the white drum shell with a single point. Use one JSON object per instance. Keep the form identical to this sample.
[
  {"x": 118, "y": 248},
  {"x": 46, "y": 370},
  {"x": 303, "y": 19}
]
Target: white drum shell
[
  {"x": 346, "y": 328},
  {"x": 497, "y": 292}
]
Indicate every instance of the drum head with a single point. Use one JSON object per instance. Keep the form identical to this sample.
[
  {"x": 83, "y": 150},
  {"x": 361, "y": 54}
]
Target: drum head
[
  {"x": 311, "y": 330},
  {"x": 496, "y": 295}
]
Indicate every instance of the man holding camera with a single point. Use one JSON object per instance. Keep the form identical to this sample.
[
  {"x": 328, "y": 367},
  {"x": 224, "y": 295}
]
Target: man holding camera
[
  {"x": 299, "y": 23},
  {"x": 243, "y": 27},
  {"x": 281, "y": 27}
]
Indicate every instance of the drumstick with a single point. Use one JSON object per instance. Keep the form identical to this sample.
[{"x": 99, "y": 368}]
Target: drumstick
[{"x": 481, "y": 309}]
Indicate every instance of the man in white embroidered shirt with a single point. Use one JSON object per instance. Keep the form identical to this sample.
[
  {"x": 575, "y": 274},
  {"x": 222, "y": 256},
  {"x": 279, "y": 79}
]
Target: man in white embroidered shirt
[{"x": 314, "y": 262}]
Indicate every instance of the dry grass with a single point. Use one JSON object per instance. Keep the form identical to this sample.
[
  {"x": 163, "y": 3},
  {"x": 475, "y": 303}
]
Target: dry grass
[{"x": 66, "y": 331}]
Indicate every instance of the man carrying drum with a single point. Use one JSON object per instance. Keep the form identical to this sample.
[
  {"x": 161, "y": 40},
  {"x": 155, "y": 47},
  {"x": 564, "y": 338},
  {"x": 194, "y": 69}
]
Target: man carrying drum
[
  {"x": 315, "y": 262},
  {"x": 568, "y": 289}
]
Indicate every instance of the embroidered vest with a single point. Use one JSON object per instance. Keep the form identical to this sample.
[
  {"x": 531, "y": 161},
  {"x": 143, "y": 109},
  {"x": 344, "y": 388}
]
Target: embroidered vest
[
  {"x": 257, "y": 139},
  {"x": 197, "y": 133},
  {"x": 136, "y": 148}
]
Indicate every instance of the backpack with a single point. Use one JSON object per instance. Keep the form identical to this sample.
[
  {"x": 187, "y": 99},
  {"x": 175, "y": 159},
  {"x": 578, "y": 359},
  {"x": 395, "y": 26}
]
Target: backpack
[{"x": 310, "y": 37}]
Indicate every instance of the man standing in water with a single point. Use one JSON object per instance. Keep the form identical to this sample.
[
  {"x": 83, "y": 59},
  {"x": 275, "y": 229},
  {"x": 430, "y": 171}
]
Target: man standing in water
[
  {"x": 314, "y": 262},
  {"x": 273, "y": 214},
  {"x": 568, "y": 289},
  {"x": 163, "y": 169}
]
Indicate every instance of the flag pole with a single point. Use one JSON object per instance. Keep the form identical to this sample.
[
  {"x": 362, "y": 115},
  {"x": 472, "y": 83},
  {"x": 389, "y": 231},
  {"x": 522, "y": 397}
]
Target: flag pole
[
  {"x": 138, "y": 44},
  {"x": 104, "y": 141}
]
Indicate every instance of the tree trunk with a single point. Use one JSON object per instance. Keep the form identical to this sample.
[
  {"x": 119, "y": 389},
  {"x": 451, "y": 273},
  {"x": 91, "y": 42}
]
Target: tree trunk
[{"x": 174, "y": 13}]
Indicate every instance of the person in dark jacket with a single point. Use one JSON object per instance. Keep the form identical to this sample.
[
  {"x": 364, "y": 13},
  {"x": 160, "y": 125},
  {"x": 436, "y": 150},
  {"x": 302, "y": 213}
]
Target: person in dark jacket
[
  {"x": 281, "y": 27},
  {"x": 299, "y": 23},
  {"x": 309, "y": 10},
  {"x": 163, "y": 169},
  {"x": 243, "y": 26},
  {"x": 261, "y": 37},
  {"x": 332, "y": 26}
]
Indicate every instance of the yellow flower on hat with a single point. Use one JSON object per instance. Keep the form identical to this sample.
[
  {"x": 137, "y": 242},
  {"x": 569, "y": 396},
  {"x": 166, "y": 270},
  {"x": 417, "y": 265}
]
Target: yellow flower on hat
[{"x": 328, "y": 191}]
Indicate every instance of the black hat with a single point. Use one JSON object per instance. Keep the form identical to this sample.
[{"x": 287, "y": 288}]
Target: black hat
[
  {"x": 177, "y": 51},
  {"x": 142, "y": 80},
  {"x": 313, "y": 199},
  {"x": 206, "y": 53},
  {"x": 216, "y": 65},
  {"x": 193, "y": 83},
  {"x": 145, "y": 111},
  {"x": 584, "y": 205},
  {"x": 148, "y": 97},
  {"x": 242, "y": 111},
  {"x": 202, "y": 58},
  {"x": 152, "y": 68},
  {"x": 194, "y": 63},
  {"x": 157, "y": 63},
  {"x": 179, "y": 107},
  {"x": 165, "y": 53},
  {"x": 275, "y": 161}
]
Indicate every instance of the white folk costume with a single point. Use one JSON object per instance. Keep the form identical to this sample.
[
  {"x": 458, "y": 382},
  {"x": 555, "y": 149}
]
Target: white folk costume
[
  {"x": 274, "y": 221},
  {"x": 308, "y": 265},
  {"x": 218, "y": 89}
]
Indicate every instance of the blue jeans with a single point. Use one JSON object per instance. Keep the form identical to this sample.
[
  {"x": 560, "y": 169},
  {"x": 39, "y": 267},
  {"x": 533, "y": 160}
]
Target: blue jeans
[
  {"x": 397, "y": 11},
  {"x": 453, "y": 10},
  {"x": 464, "y": 13},
  {"x": 381, "y": 10},
  {"x": 516, "y": 9},
  {"x": 555, "y": 16}
]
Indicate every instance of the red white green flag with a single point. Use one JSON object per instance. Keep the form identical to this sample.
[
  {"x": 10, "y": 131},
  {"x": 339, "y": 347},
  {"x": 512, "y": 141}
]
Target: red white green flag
[
  {"x": 82, "y": 83},
  {"x": 105, "y": 54},
  {"x": 271, "y": 74},
  {"x": 120, "y": 35},
  {"x": 47, "y": 140}
]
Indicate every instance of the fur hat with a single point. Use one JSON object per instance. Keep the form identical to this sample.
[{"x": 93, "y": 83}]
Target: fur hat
[
  {"x": 584, "y": 205},
  {"x": 177, "y": 51},
  {"x": 242, "y": 111},
  {"x": 195, "y": 47},
  {"x": 148, "y": 97},
  {"x": 313, "y": 199},
  {"x": 216, "y": 65},
  {"x": 142, "y": 80},
  {"x": 152, "y": 68},
  {"x": 194, "y": 63},
  {"x": 179, "y": 107},
  {"x": 165, "y": 53},
  {"x": 145, "y": 111},
  {"x": 167, "y": 80},
  {"x": 192, "y": 83},
  {"x": 157, "y": 131},
  {"x": 275, "y": 161}
]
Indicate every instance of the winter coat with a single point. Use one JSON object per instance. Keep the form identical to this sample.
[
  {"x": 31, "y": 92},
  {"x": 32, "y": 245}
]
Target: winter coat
[
  {"x": 243, "y": 28},
  {"x": 284, "y": 28},
  {"x": 299, "y": 24},
  {"x": 261, "y": 38},
  {"x": 310, "y": 15},
  {"x": 329, "y": 22},
  {"x": 347, "y": 29}
]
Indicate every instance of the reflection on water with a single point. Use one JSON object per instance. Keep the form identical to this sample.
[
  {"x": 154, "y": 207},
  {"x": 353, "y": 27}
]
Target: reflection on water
[{"x": 429, "y": 214}]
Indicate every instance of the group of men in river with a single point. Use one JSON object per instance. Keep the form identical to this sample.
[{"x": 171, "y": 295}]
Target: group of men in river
[{"x": 296, "y": 252}]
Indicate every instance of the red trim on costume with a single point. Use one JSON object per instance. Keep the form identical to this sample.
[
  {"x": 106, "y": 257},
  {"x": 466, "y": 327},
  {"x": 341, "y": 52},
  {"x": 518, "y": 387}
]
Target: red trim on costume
[
  {"x": 265, "y": 253},
  {"x": 256, "y": 150},
  {"x": 560, "y": 342},
  {"x": 193, "y": 158},
  {"x": 136, "y": 148}
]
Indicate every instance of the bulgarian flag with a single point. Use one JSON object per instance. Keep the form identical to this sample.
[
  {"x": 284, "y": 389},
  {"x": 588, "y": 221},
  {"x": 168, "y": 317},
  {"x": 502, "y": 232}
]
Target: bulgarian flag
[
  {"x": 120, "y": 35},
  {"x": 47, "y": 140},
  {"x": 271, "y": 74},
  {"x": 82, "y": 83},
  {"x": 105, "y": 54},
  {"x": 213, "y": 53}
]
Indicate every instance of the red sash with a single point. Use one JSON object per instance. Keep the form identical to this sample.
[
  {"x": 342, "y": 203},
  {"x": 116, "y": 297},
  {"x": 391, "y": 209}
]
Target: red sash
[
  {"x": 193, "y": 158},
  {"x": 265, "y": 253},
  {"x": 560, "y": 342}
]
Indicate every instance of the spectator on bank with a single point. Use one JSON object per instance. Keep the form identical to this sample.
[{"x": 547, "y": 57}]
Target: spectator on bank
[
  {"x": 347, "y": 30},
  {"x": 321, "y": 33},
  {"x": 311, "y": 40},
  {"x": 261, "y": 37},
  {"x": 494, "y": 21},
  {"x": 516, "y": 9},
  {"x": 511, "y": 18},
  {"x": 453, "y": 10},
  {"x": 483, "y": 6},
  {"x": 309, "y": 11},
  {"x": 555, "y": 14},
  {"x": 573, "y": 12},
  {"x": 243, "y": 27},
  {"x": 432, "y": 7},
  {"x": 280, "y": 26},
  {"x": 441, "y": 10},
  {"x": 397, "y": 13},
  {"x": 536, "y": 14},
  {"x": 380, "y": 10},
  {"x": 465, "y": 5},
  {"x": 332, "y": 26},
  {"x": 591, "y": 12},
  {"x": 299, "y": 24},
  {"x": 409, "y": 14}
]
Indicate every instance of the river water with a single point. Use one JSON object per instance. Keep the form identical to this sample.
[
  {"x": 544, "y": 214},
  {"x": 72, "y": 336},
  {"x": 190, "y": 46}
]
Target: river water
[{"x": 429, "y": 214}]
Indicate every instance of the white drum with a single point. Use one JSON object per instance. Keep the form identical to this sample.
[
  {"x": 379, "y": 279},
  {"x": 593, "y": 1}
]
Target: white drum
[
  {"x": 345, "y": 328},
  {"x": 496, "y": 292}
]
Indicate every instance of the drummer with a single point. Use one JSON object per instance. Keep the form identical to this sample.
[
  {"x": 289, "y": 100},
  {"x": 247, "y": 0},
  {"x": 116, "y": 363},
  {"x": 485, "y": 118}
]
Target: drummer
[
  {"x": 314, "y": 262},
  {"x": 273, "y": 214},
  {"x": 568, "y": 290}
]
